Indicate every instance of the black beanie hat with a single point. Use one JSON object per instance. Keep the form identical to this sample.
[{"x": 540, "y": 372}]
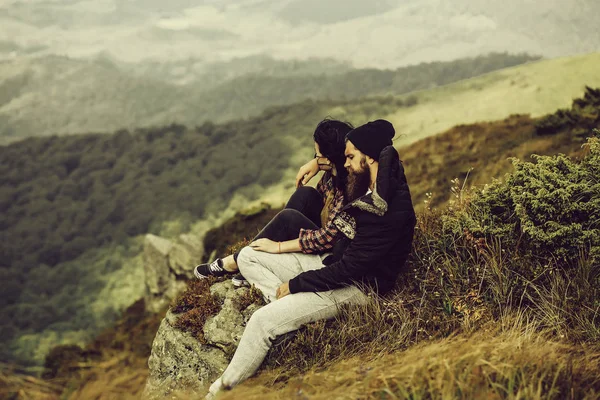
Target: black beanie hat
[{"x": 372, "y": 137}]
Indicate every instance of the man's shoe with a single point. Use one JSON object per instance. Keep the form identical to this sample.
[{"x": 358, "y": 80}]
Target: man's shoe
[
  {"x": 238, "y": 281},
  {"x": 214, "y": 268}
]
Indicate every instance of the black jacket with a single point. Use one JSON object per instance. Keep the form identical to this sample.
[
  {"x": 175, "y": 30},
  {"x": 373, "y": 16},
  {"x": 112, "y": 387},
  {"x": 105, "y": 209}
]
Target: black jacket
[{"x": 379, "y": 227}]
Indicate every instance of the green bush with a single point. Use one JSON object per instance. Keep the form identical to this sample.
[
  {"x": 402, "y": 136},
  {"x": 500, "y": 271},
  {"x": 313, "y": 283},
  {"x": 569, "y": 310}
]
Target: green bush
[
  {"x": 547, "y": 209},
  {"x": 529, "y": 244}
]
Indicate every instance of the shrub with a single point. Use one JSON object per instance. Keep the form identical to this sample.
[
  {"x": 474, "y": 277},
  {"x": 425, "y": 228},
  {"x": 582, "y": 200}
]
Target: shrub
[{"x": 548, "y": 209}]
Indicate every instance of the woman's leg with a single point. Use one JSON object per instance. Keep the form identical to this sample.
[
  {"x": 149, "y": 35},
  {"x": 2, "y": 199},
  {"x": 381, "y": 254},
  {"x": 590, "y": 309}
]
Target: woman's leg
[
  {"x": 284, "y": 226},
  {"x": 307, "y": 201},
  {"x": 302, "y": 211}
]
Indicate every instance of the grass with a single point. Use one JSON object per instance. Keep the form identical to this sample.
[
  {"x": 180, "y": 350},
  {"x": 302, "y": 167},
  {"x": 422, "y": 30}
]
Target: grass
[
  {"x": 17, "y": 384},
  {"x": 113, "y": 366},
  {"x": 536, "y": 88},
  {"x": 477, "y": 153},
  {"x": 497, "y": 362}
]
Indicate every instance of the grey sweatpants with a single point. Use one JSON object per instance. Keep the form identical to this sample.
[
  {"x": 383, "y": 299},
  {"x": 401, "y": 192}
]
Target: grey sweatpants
[{"x": 267, "y": 272}]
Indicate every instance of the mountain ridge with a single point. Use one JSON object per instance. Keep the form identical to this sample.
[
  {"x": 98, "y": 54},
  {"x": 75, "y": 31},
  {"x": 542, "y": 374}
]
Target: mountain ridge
[{"x": 61, "y": 95}]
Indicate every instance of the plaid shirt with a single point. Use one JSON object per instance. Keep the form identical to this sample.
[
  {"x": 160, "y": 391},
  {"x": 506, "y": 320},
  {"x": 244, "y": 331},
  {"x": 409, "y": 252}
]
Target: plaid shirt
[{"x": 320, "y": 240}]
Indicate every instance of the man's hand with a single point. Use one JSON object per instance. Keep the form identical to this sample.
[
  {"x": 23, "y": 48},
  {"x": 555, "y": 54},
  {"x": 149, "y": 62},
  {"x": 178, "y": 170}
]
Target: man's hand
[
  {"x": 266, "y": 245},
  {"x": 306, "y": 172},
  {"x": 283, "y": 290}
]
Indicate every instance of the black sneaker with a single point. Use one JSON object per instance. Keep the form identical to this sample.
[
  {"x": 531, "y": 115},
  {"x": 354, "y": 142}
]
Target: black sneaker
[
  {"x": 238, "y": 281},
  {"x": 214, "y": 268}
]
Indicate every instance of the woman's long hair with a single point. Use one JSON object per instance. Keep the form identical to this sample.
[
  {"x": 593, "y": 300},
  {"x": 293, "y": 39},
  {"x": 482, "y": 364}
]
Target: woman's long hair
[{"x": 330, "y": 135}]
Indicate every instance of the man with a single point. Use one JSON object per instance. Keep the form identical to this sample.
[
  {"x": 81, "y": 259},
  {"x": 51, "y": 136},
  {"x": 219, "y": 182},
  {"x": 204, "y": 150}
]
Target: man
[{"x": 378, "y": 223}]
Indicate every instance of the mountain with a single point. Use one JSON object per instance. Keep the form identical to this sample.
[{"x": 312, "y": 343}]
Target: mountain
[
  {"x": 53, "y": 94},
  {"x": 208, "y": 75},
  {"x": 60, "y": 95},
  {"x": 376, "y": 34}
]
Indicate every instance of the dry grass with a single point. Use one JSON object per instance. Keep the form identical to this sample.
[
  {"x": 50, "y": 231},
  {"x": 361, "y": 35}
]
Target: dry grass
[
  {"x": 196, "y": 304},
  {"x": 379, "y": 326},
  {"x": 18, "y": 385},
  {"x": 535, "y": 88},
  {"x": 118, "y": 377},
  {"x": 113, "y": 366},
  {"x": 481, "y": 151},
  {"x": 510, "y": 363}
]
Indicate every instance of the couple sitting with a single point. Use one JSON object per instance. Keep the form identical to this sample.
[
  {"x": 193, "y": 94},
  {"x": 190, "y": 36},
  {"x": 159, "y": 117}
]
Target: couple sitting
[{"x": 353, "y": 232}]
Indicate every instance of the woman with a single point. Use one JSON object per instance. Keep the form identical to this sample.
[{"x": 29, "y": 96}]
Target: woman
[{"x": 306, "y": 223}]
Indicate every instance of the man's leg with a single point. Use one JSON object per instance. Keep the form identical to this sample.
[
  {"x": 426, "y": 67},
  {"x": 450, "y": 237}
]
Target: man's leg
[
  {"x": 268, "y": 271},
  {"x": 279, "y": 316}
]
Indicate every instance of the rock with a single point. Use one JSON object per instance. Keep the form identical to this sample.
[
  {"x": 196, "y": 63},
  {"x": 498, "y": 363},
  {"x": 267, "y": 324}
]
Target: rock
[
  {"x": 156, "y": 264},
  {"x": 182, "y": 261},
  {"x": 167, "y": 267},
  {"x": 157, "y": 272},
  {"x": 247, "y": 313},
  {"x": 223, "y": 290},
  {"x": 225, "y": 329},
  {"x": 180, "y": 361}
]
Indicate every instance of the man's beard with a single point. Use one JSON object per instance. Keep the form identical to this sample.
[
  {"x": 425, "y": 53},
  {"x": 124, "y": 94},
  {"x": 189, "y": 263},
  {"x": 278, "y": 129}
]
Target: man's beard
[{"x": 358, "y": 183}]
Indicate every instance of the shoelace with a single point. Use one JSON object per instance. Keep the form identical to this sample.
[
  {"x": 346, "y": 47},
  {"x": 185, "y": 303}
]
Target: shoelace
[{"x": 214, "y": 266}]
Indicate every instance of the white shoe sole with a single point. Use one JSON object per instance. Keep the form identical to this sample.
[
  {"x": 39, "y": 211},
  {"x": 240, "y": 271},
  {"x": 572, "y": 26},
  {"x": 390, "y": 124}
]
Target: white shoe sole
[{"x": 239, "y": 283}]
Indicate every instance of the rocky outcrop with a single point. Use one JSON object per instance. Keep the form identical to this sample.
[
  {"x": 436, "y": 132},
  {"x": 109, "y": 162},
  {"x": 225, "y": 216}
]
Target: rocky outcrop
[
  {"x": 182, "y": 362},
  {"x": 167, "y": 267}
]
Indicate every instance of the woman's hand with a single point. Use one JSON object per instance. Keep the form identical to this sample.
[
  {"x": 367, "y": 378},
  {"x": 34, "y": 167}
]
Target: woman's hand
[
  {"x": 306, "y": 172},
  {"x": 266, "y": 245}
]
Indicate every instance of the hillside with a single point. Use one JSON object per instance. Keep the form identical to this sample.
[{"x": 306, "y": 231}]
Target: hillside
[
  {"x": 536, "y": 89},
  {"x": 477, "y": 153},
  {"x": 135, "y": 187},
  {"x": 72, "y": 208},
  {"x": 64, "y": 204},
  {"x": 484, "y": 308},
  {"x": 59, "y": 95}
]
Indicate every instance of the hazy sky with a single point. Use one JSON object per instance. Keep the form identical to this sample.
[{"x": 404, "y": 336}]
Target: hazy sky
[{"x": 374, "y": 33}]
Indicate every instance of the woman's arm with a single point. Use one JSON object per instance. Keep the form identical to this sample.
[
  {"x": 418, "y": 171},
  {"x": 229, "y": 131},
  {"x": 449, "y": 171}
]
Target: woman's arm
[{"x": 269, "y": 246}]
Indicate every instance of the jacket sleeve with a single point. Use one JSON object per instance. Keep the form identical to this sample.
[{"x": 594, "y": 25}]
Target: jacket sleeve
[{"x": 372, "y": 242}]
